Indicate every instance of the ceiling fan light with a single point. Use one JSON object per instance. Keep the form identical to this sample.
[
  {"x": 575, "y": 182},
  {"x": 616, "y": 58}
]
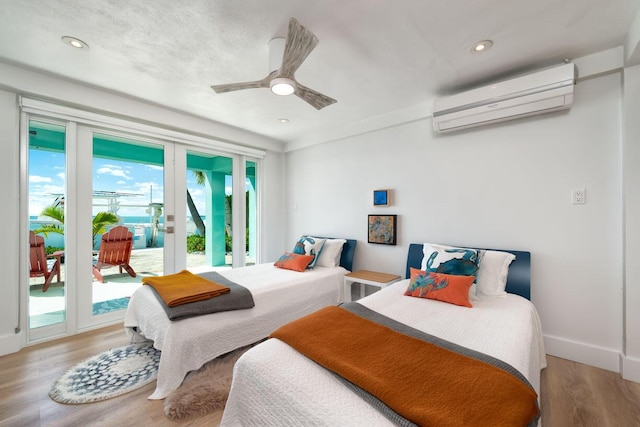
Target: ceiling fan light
[{"x": 282, "y": 86}]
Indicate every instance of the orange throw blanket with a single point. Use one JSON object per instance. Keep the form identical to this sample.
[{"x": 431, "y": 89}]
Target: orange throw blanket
[
  {"x": 422, "y": 382},
  {"x": 184, "y": 287}
]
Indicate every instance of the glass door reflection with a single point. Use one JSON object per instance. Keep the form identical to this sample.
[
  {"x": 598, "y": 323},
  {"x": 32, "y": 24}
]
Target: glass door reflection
[
  {"x": 47, "y": 173},
  {"x": 127, "y": 219},
  {"x": 209, "y": 216}
]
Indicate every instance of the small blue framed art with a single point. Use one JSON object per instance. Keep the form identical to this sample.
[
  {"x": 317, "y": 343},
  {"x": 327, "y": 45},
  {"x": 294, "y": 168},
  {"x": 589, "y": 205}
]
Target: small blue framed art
[{"x": 381, "y": 197}]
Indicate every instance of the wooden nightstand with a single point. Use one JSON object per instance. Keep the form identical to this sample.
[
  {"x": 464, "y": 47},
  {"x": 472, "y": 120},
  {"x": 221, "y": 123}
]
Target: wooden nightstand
[{"x": 366, "y": 277}]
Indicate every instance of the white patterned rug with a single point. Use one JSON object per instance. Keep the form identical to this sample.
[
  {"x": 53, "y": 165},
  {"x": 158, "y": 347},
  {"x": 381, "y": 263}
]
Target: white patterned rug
[{"x": 107, "y": 375}]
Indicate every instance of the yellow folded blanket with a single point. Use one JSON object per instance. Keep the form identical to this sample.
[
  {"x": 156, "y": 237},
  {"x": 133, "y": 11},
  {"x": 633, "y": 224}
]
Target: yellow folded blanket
[{"x": 184, "y": 287}]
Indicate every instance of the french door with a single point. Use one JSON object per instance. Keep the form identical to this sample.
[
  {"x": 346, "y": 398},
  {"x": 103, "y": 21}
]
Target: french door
[
  {"x": 86, "y": 180},
  {"x": 123, "y": 191},
  {"x": 46, "y": 154}
]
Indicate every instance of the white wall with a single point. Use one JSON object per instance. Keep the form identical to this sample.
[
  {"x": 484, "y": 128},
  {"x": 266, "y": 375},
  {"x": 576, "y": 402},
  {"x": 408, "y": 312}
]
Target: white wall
[
  {"x": 505, "y": 186},
  {"x": 272, "y": 199},
  {"x": 631, "y": 125}
]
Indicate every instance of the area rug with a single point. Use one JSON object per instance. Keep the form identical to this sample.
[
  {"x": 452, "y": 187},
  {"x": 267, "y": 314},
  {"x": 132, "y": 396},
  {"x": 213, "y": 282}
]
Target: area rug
[
  {"x": 203, "y": 391},
  {"x": 107, "y": 375}
]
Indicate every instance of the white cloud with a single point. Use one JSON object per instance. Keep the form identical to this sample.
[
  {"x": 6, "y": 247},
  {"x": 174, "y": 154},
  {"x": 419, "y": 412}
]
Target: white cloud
[
  {"x": 38, "y": 179},
  {"x": 113, "y": 171},
  {"x": 146, "y": 187}
]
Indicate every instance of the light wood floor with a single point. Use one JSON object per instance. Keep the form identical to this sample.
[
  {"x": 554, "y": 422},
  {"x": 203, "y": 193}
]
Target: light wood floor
[
  {"x": 573, "y": 394},
  {"x": 27, "y": 376}
]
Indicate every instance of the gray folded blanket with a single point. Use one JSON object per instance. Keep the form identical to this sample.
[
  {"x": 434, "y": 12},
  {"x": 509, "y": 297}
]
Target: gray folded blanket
[{"x": 239, "y": 298}]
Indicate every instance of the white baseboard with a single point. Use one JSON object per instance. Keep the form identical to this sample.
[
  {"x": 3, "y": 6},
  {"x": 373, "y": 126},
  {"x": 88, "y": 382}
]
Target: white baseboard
[
  {"x": 630, "y": 368},
  {"x": 600, "y": 357},
  {"x": 11, "y": 343}
]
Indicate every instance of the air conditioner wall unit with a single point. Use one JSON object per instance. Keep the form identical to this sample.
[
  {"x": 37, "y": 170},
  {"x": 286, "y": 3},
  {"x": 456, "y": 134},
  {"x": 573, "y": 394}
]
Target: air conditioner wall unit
[{"x": 541, "y": 92}]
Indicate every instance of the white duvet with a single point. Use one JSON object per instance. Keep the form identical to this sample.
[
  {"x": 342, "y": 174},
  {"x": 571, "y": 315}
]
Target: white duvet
[
  {"x": 280, "y": 296},
  {"x": 273, "y": 385}
]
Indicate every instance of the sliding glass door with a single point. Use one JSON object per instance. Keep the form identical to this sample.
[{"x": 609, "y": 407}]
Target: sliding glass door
[
  {"x": 128, "y": 226},
  {"x": 209, "y": 224},
  {"x": 109, "y": 206},
  {"x": 78, "y": 277},
  {"x": 47, "y": 302}
]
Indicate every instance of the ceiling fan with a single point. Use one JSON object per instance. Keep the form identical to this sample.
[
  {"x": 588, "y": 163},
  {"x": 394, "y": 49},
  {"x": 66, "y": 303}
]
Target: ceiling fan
[{"x": 297, "y": 46}]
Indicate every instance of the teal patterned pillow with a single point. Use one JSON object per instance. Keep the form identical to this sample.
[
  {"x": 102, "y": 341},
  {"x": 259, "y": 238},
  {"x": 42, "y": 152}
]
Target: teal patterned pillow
[
  {"x": 441, "y": 287},
  {"x": 450, "y": 260},
  {"x": 308, "y": 245}
]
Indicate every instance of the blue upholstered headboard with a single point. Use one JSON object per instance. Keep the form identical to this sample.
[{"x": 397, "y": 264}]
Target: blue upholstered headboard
[
  {"x": 348, "y": 250},
  {"x": 518, "y": 281}
]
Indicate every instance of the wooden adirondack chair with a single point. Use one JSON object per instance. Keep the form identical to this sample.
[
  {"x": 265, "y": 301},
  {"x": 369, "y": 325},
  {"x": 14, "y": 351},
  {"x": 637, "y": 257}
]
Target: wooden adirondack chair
[
  {"x": 41, "y": 264},
  {"x": 115, "y": 251}
]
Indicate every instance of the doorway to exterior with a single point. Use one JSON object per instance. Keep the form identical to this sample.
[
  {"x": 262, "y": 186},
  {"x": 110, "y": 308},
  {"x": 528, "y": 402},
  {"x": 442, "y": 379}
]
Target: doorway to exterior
[{"x": 82, "y": 178}]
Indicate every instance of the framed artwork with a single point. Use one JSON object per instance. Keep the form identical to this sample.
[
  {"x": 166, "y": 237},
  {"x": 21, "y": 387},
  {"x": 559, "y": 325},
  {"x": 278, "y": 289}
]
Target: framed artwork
[
  {"x": 382, "y": 229},
  {"x": 381, "y": 197}
]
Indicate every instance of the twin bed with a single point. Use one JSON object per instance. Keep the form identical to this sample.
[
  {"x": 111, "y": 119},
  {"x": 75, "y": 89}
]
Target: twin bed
[
  {"x": 274, "y": 384},
  {"x": 280, "y": 296}
]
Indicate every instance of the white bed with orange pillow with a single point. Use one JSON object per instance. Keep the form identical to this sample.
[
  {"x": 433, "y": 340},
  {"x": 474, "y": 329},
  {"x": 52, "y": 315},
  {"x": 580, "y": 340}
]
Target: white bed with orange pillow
[
  {"x": 274, "y": 384},
  {"x": 280, "y": 296}
]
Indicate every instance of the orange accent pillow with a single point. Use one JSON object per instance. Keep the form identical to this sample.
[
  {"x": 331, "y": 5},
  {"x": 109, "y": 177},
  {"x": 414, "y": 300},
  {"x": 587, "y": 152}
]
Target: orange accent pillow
[
  {"x": 294, "y": 262},
  {"x": 441, "y": 287}
]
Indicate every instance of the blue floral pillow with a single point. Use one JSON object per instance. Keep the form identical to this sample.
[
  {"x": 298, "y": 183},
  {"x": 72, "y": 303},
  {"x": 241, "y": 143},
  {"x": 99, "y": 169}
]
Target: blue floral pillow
[
  {"x": 450, "y": 260},
  {"x": 308, "y": 245}
]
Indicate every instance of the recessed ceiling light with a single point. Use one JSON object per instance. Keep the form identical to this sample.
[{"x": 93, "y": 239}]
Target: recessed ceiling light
[
  {"x": 481, "y": 46},
  {"x": 77, "y": 43},
  {"x": 283, "y": 120}
]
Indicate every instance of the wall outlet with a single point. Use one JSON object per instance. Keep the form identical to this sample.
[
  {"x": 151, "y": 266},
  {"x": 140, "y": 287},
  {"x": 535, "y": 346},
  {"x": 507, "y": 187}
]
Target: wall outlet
[{"x": 579, "y": 196}]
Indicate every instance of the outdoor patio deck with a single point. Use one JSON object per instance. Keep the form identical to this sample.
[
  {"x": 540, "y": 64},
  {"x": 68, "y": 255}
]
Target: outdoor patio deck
[{"x": 48, "y": 307}]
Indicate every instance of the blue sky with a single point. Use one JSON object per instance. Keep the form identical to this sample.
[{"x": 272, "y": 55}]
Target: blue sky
[{"x": 144, "y": 183}]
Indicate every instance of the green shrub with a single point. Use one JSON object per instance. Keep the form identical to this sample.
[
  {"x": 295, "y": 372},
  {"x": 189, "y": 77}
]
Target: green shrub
[
  {"x": 228, "y": 241},
  {"x": 52, "y": 249},
  {"x": 195, "y": 243}
]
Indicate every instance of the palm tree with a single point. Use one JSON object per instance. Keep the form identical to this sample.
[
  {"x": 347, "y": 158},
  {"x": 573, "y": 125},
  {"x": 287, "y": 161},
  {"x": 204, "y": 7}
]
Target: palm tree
[
  {"x": 56, "y": 213},
  {"x": 99, "y": 223}
]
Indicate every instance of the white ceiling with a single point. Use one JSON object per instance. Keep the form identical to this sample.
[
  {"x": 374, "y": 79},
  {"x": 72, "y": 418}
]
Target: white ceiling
[{"x": 374, "y": 56}]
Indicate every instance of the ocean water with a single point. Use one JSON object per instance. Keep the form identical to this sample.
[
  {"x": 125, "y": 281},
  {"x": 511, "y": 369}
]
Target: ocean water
[{"x": 141, "y": 219}]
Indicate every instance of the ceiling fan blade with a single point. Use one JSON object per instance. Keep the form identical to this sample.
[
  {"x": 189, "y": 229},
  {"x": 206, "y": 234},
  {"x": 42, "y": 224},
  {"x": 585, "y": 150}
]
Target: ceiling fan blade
[
  {"x": 300, "y": 42},
  {"x": 315, "y": 99},
  {"x": 229, "y": 87}
]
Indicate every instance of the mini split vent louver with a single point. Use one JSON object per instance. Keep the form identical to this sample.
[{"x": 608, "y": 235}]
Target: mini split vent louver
[{"x": 537, "y": 93}]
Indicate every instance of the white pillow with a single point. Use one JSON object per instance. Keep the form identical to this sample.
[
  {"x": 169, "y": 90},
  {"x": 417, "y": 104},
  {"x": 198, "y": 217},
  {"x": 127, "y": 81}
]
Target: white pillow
[
  {"x": 473, "y": 293},
  {"x": 331, "y": 252},
  {"x": 308, "y": 245},
  {"x": 493, "y": 272},
  {"x": 449, "y": 260}
]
